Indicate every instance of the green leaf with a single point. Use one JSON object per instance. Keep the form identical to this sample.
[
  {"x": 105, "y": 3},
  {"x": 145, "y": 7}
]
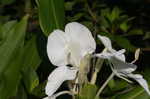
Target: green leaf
[
  {"x": 124, "y": 43},
  {"x": 115, "y": 14},
  {"x": 11, "y": 77},
  {"x": 120, "y": 85},
  {"x": 39, "y": 90},
  {"x": 30, "y": 64},
  {"x": 135, "y": 93},
  {"x": 124, "y": 26},
  {"x": 21, "y": 93},
  {"x": 88, "y": 91},
  {"x": 30, "y": 79},
  {"x": 112, "y": 84},
  {"x": 51, "y": 15},
  {"x": 11, "y": 55},
  {"x": 135, "y": 32},
  {"x": 4, "y": 29},
  {"x": 76, "y": 17},
  {"x": 31, "y": 55},
  {"x": 12, "y": 43},
  {"x": 69, "y": 5}
]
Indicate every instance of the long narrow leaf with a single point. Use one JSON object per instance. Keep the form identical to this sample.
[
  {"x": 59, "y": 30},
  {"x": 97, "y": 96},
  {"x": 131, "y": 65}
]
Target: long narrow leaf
[{"x": 51, "y": 15}]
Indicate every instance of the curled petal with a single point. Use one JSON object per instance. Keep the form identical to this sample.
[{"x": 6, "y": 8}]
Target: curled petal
[
  {"x": 139, "y": 78},
  {"x": 106, "y": 42},
  {"x": 57, "y": 77},
  {"x": 120, "y": 54},
  {"x": 81, "y": 36},
  {"x": 56, "y": 48}
]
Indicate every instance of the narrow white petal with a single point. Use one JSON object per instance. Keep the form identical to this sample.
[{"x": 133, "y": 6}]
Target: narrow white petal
[
  {"x": 57, "y": 77},
  {"x": 106, "y": 42},
  {"x": 107, "y": 55},
  {"x": 122, "y": 66},
  {"x": 56, "y": 48},
  {"x": 124, "y": 77},
  {"x": 104, "y": 55},
  {"x": 81, "y": 37},
  {"x": 139, "y": 78}
]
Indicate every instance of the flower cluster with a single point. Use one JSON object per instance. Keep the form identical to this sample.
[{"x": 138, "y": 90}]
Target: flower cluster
[{"x": 72, "y": 46}]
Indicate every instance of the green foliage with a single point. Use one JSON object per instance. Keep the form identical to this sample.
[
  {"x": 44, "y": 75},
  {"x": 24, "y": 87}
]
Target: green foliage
[
  {"x": 30, "y": 64},
  {"x": 11, "y": 57},
  {"x": 21, "y": 62},
  {"x": 88, "y": 91},
  {"x": 51, "y": 15},
  {"x": 9, "y": 47},
  {"x": 6, "y": 2},
  {"x": 135, "y": 93},
  {"x": 19, "y": 59}
]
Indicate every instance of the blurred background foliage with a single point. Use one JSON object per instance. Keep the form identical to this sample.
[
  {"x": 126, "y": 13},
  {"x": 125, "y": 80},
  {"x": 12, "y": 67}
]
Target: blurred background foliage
[{"x": 25, "y": 25}]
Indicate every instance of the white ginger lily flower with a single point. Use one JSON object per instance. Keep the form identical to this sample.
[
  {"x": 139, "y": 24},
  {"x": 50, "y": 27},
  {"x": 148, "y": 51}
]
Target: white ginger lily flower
[
  {"x": 118, "y": 64},
  {"x": 64, "y": 48}
]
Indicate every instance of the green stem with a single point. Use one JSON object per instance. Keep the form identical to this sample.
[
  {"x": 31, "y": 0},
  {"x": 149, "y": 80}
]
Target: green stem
[{"x": 104, "y": 85}]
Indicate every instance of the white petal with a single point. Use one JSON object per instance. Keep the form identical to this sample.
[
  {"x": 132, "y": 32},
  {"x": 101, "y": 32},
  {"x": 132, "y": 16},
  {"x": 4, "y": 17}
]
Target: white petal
[
  {"x": 139, "y": 78},
  {"x": 120, "y": 74},
  {"x": 106, "y": 41},
  {"x": 107, "y": 55},
  {"x": 81, "y": 36},
  {"x": 120, "y": 54},
  {"x": 57, "y": 77},
  {"x": 104, "y": 55},
  {"x": 56, "y": 48},
  {"x": 122, "y": 66}
]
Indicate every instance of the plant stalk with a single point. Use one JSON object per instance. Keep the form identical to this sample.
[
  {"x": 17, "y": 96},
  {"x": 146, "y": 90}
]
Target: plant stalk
[{"x": 104, "y": 85}]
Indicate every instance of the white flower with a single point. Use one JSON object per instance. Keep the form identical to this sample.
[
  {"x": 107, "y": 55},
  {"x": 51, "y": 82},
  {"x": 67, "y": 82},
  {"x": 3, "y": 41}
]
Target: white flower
[
  {"x": 118, "y": 64},
  {"x": 64, "y": 48},
  {"x": 109, "y": 50}
]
